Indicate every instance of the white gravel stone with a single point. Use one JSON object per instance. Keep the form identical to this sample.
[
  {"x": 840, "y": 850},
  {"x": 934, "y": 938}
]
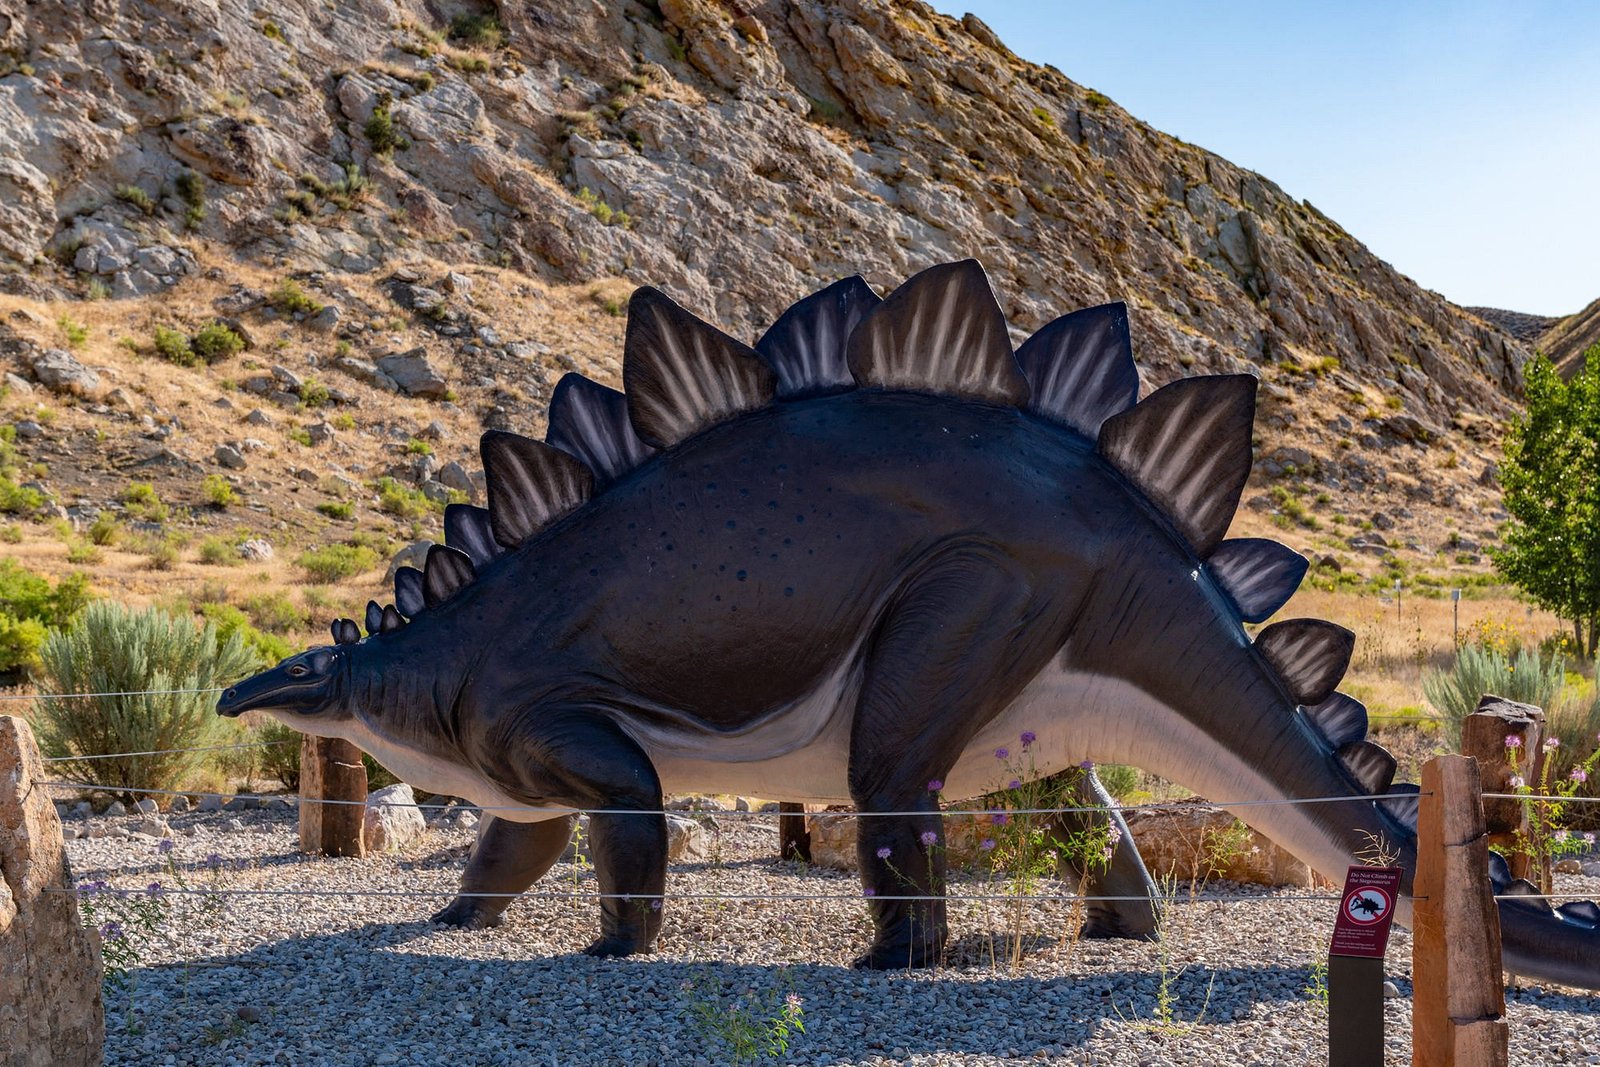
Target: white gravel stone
[{"x": 344, "y": 980}]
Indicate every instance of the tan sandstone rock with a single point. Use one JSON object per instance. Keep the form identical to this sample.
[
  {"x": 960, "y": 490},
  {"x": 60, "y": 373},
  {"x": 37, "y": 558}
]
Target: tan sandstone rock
[{"x": 50, "y": 972}]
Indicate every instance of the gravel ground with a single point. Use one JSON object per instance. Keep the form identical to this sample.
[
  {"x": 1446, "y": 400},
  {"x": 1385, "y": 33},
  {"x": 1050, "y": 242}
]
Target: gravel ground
[{"x": 338, "y": 980}]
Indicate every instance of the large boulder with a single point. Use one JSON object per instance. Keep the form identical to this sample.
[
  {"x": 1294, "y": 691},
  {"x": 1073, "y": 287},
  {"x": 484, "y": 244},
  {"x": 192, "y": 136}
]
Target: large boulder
[
  {"x": 51, "y": 1014},
  {"x": 59, "y": 372},
  {"x": 392, "y": 819},
  {"x": 415, "y": 376}
]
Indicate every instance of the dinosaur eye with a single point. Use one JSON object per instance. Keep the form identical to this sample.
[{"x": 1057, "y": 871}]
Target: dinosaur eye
[{"x": 298, "y": 671}]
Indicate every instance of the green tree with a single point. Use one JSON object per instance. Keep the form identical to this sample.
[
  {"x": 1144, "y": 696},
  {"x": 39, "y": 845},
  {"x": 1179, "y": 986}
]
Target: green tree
[{"x": 1551, "y": 488}]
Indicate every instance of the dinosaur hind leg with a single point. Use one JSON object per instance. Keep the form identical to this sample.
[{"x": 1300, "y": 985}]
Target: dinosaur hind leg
[
  {"x": 1137, "y": 913},
  {"x": 508, "y": 858},
  {"x": 936, "y": 671}
]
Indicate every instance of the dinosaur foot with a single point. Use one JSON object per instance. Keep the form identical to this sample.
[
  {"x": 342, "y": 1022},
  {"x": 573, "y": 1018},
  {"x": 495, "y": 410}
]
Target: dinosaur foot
[
  {"x": 901, "y": 956},
  {"x": 1136, "y": 927},
  {"x": 613, "y": 945},
  {"x": 467, "y": 914}
]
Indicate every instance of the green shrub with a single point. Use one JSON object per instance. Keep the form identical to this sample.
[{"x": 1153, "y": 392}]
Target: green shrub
[
  {"x": 75, "y": 332},
  {"x": 20, "y": 641},
  {"x": 161, "y": 551},
  {"x": 216, "y": 342},
  {"x": 11, "y": 534},
  {"x": 17, "y": 500},
  {"x": 381, "y": 131},
  {"x": 173, "y": 346},
  {"x": 29, "y": 606},
  {"x": 333, "y": 563},
  {"x": 344, "y": 422},
  {"x": 1526, "y": 677},
  {"x": 337, "y": 509},
  {"x": 289, "y": 298},
  {"x": 113, "y": 649},
  {"x": 417, "y": 447},
  {"x": 402, "y": 500},
  {"x": 313, "y": 394},
  {"x": 142, "y": 502},
  {"x": 1119, "y": 780},
  {"x": 106, "y": 529},
  {"x": 132, "y": 194},
  {"x": 218, "y": 552},
  {"x": 275, "y": 613},
  {"x": 280, "y": 754},
  {"x": 216, "y": 491},
  {"x": 82, "y": 551},
  {"x": 267, "y": 648},
  {"x": 478, "y": 31}
]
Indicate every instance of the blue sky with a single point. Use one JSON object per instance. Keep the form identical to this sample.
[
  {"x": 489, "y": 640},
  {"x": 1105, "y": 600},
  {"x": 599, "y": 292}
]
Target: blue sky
[{"x": 1461, "y": 142}]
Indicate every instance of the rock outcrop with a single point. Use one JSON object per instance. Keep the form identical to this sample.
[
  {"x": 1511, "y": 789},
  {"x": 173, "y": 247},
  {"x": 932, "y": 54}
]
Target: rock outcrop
[
  {"x": 50, "y": 973},
  {"x": 738, "y": 155}
]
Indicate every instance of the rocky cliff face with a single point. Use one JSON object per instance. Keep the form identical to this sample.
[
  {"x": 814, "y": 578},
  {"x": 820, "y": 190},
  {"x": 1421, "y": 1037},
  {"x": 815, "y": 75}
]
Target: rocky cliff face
[
  {"x": 736, "y": 153},
  {"x": 1566, "y": 341}
]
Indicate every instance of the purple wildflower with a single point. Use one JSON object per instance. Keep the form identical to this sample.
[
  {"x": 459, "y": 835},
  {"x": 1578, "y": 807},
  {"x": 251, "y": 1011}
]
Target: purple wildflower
[
  {"x": 1560, "y": 835},
  {"x": 1588, "y": 839},
  {"x": 1552, "y": 743},
  {"x": 1516, "y": 782},
  {"x": 165, "y": 846},
  {"x": 1513, "y": 741},
  {"x": 1015, "y": 783},
  {"x": 935, "y": 785},
  {"x": 986, "y": 844},
  {"x": 793, "y": 1000},
  {"x": 884, "y": 852},
  {"x": 655, "y": 905},
  {"x": 1002, "y": 753},
  {"x": 1028, "y": 738},
  {"x": 213, "y": 861},
  {"x": 1579, "y": 774},
  {"x": 111, "y": 931},
  {"x": 929, "y": 838},
  {"x": 998, "y": 818},
  {"x": 153, "y": 889},
  {"x": 869, "y": 892},
  {"x": 1086, "y": 765}
]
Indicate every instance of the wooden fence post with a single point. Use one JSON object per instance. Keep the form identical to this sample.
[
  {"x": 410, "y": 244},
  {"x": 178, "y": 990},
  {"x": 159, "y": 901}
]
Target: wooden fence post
[
  {"x": 794, "y": 839},
  {"x": 1458, "y": 1001},
  {"x": 1483, "y": 737},
  {"x": 331, "y": 769},
  {"x": 51, "y": 1014}
]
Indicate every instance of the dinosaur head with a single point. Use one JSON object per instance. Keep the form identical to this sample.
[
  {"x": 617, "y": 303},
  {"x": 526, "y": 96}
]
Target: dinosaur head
[{"x": 303, "y": 690}]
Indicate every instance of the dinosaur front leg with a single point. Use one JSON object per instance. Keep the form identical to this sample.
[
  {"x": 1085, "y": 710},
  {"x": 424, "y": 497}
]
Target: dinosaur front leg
[
  {"x": 578, "y": 756},
  {"x": 507, "y": 859},
  {"x": 936, "y": 670},
  {"x": 1124, "y": 876}
]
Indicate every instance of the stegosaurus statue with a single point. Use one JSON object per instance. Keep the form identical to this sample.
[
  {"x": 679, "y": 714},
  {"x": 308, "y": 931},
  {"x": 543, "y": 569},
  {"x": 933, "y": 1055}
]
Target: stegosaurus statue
[{"x": 847, "y": 563}]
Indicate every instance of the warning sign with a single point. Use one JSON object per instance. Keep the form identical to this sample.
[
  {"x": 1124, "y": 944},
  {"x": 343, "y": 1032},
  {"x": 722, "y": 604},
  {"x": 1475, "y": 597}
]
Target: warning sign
[{"x": 1366, "y": 910}]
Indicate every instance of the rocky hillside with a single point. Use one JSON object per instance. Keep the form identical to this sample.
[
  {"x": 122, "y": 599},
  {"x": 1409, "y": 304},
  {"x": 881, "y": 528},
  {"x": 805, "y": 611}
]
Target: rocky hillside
[
  {"x": 464, "y": 193},
  {"x": 1519, "y": 324},
  {"x": 1567, "y": 339}
]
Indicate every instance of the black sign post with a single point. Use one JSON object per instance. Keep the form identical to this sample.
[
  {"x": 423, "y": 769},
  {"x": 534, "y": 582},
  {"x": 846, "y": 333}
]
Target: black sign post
[{"x": 1355, "y": 966}]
